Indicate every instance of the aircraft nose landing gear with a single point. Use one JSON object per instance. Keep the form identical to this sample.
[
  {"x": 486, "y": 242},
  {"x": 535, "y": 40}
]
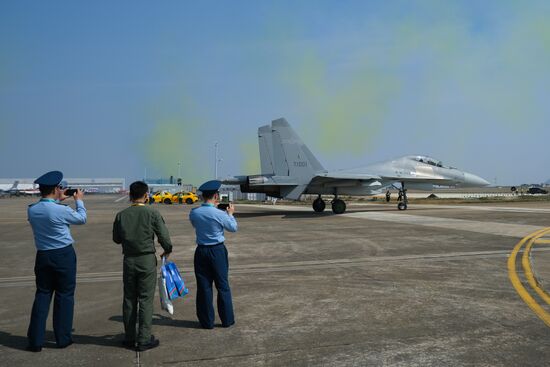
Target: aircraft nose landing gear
[
  {"x": 403, "y": 201},
  {"x": 319, "y": 205}
]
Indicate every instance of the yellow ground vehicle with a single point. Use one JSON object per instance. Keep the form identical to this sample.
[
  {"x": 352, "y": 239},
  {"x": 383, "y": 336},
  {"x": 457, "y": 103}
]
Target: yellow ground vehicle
[
  {"x": 162, "y": 197},
  {"x": 184, "y": 197}
]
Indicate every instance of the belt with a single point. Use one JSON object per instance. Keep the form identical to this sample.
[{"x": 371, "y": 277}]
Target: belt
[
  {"x": 140, "y": 254},
  {"x": 217, "y": 244},
  {"x": 58, "y": 249}
]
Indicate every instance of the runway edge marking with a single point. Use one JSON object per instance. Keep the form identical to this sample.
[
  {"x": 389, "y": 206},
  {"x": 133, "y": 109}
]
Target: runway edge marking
[{"x": 514, "y": 277}]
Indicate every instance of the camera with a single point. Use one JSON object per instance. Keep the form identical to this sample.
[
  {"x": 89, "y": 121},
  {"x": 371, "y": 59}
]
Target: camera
[
  {"x": 223, "y": 206},
  {"x": 224, "y": 203},
  {"x": 69, "y": 192}
]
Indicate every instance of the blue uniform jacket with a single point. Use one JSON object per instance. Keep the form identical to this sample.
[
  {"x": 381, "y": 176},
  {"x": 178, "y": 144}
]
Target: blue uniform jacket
[
  {"x": 50, "y": 223},
  {"x": 210, "y": 222}
]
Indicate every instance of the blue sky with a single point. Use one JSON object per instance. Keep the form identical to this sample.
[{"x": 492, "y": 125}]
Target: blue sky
[{"x": 109, "y": 89}]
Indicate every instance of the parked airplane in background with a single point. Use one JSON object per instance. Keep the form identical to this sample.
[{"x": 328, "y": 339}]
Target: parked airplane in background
[
  {"x": 289, "y": 169},
  {"x": 11, "y": 191},
  {"x": 15, "y": 191}
]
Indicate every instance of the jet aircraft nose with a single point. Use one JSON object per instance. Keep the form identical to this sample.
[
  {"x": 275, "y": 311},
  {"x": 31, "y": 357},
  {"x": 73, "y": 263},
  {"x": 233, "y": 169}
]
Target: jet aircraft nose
[{"x": 472, "y": 180}]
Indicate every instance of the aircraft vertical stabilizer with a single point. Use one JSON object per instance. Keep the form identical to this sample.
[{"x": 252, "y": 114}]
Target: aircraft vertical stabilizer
[
  {"x": 265, "y": 142},
  {"x": 291, "y": 155},
  {"x": 292, "y": 158}
]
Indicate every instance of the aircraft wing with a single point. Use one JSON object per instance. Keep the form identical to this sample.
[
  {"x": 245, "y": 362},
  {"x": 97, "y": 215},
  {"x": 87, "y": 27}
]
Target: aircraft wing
[
  {"x": 343, "y": 179},
  {"x": 347, "y": 176},
  {"x": 419, "y": 179}
]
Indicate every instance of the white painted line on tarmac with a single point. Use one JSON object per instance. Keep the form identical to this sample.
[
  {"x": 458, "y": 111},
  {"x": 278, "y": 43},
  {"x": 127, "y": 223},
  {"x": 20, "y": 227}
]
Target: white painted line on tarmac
[
  {"x": 121, "y": 198},
  {"x": 494, "y": 228},
  {"x": 509, "y": 209},
  {"x": 287, "y": 266},
  {"x": 498, "y": 229},
  {"x": 421, "y": 206}
]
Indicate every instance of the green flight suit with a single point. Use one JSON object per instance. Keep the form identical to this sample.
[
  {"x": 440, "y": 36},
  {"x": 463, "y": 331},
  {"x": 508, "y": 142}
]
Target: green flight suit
[{"x": 135, "y": 228}]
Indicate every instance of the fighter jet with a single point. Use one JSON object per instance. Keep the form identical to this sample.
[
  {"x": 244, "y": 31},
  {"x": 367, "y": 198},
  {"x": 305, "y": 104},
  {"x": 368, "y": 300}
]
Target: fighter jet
[{"x": 289, "y": 170}]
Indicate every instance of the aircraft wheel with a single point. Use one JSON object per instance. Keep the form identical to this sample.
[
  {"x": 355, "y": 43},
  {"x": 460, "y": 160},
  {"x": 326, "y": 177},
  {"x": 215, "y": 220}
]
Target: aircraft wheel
[
  {"x": 319, "y": 205},
  {"x": 402, "y": 206},
  {"x": 167, "y": 201},
  {"x": 338, "y": 206},
  {"x": 189, "y": 201}
]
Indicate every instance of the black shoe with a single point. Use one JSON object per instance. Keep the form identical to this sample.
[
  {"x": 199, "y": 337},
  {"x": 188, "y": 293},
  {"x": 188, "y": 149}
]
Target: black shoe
[
  {"x": 153, "y": 343},
  {"x": 65, "y": 345},
  {"x": 34, "y": 348},
  {"x": 228, "y": 325},
  {"x": 129, "y": 344}
]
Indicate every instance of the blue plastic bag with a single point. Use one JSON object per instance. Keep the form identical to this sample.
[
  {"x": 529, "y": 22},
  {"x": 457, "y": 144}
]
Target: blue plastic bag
[
  {"x": 177, "y": 280},
  {"x": 175, "y": 286},
  {"x": 165, "y": 302},
  {"x": 170, "y": 285}
]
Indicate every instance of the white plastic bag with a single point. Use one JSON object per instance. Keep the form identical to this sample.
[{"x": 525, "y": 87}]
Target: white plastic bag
[{"x": 165, "y": 302}]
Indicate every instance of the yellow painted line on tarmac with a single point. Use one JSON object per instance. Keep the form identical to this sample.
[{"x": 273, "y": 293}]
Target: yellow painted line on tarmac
[
  {"x": 528, "y": 271},
  {"x": 516, "y": 283},
  {"x": 542, "y": 242}
]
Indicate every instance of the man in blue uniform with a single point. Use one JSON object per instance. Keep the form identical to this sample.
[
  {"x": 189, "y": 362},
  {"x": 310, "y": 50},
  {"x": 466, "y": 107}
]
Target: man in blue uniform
[
  {"x": 55, "y": 265},
  {"x": 211, "y": 263}
]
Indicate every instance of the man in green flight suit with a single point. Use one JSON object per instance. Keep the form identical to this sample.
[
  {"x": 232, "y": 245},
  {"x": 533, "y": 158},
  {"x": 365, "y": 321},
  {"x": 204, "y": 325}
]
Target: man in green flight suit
[{"x": 135, "y": 228}]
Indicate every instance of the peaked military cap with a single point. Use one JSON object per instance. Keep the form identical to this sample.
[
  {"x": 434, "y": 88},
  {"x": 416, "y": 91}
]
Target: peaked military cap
[
  {"x": 52, "y": 178},
  {"x": 213, "y": 185}
]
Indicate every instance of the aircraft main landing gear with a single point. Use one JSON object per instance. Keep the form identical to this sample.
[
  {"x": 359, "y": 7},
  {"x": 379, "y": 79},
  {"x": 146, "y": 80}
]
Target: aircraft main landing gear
[
  {"x": 403, "y": 201},
  {"x": 319, "y": 205},
  {"x": 338, "y": 206}
]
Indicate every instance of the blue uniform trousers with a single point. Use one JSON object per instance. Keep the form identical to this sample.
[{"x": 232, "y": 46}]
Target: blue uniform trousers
[
  {"x": 212, "y": 265},
  {"x": 55, "y": 271}
]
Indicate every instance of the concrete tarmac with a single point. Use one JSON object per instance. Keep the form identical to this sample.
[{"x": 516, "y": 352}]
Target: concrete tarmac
[{"x": 373, "y": 287}]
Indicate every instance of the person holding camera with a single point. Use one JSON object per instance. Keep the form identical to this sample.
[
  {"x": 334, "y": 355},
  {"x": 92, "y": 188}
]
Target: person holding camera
[
  {"x": 135, "y": 228},
  {"x": 55, "y": 264},
  {"x": 211, "y": 261}
]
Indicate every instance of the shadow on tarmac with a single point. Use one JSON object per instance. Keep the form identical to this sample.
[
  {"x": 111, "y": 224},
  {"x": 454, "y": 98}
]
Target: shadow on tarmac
[
  {"x": 284, "y": 214},
  {"x": 13, "y": 341},
  {"x": 20, "y": 342},
  {"x": 166, "y": 321},
  {"x": 308, "y": 213}
]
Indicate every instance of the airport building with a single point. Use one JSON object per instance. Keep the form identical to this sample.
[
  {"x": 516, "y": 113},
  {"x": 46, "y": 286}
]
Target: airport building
[{"x": 90, "y": 185}]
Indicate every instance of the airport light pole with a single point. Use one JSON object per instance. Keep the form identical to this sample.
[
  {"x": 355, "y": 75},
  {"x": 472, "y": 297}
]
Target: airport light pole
[{"x": 215, "y": 160}]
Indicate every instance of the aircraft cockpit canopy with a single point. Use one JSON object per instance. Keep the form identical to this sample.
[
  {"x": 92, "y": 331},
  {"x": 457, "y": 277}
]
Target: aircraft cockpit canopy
[{"x": 429, "y": 160}]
